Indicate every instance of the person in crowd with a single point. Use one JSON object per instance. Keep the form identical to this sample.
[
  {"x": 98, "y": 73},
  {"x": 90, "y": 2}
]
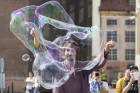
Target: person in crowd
[
  {"x": 29, "y": 83},
  {"x": 120, "y": 75},
  {"x": 104, "y": 76},
  {"x": 120, "y": 82},
  {"x": 96, "y": 85},
  {"x": 36, "y": 82},
  {"x": 131, "y": 85}
]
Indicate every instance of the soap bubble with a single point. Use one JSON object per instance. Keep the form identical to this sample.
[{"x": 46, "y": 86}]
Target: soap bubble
[
  {"x": 25, "y": 57},
  {"x": 34, "y": 25}
]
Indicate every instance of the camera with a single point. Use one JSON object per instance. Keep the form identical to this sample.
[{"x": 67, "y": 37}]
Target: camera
[
  {"x": 136, "y": 75},
  {"x": 97, "y": 74}
]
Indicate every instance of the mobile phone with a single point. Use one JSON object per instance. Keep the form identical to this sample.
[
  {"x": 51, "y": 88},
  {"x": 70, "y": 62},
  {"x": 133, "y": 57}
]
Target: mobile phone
[
  {"x": 136, "y": 75},
  {"x": 96, "y": 74}
]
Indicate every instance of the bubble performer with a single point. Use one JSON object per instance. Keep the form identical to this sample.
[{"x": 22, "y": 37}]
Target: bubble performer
[{"x": 57, "y": 61}]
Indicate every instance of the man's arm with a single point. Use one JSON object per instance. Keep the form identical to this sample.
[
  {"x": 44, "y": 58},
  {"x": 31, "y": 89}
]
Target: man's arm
[
  {"x": 108, "y": 46},
  {"x": 104, "y": 85},
  {"x": 36, "y": 42},
  {"x": 104, "y": 90},
  {"x": 128, "y": 86}
]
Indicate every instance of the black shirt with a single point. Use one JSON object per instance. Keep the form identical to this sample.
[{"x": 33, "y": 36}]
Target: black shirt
[{"x": 133, "y": 88}]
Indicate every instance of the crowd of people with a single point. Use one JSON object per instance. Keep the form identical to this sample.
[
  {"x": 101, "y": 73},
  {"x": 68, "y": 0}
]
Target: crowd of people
[{"x": 130, "y": 83}]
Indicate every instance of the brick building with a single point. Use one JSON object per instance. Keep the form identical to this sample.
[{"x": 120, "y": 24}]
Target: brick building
[{"x": 11, "y": 49}]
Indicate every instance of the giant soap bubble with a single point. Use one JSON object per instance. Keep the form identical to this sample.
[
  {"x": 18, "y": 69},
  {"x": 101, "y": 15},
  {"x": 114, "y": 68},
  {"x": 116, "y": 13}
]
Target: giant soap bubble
[{"x": 33, "y": 25}]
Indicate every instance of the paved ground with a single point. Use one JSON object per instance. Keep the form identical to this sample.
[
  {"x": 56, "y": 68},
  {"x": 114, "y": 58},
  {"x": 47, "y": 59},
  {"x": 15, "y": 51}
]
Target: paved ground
[{"x": 112, "y": 90}]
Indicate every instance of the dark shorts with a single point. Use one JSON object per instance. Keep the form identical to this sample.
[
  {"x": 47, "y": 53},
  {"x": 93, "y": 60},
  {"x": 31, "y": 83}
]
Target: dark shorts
[{"x": 30, "y": 90}]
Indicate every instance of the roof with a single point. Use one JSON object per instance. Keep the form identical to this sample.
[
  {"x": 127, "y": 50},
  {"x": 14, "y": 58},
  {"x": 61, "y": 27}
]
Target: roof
[{"x": 115, "y": 5}]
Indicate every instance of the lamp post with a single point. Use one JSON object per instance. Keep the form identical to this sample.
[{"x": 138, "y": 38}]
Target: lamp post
[{"x": 137, "y": 34}]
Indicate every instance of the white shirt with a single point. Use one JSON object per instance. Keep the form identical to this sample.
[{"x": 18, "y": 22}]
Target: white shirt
[
  {"x": 30, "y": 83},
  {"x": 105, "y": 84},
  {"x": 36, "y": 82}
]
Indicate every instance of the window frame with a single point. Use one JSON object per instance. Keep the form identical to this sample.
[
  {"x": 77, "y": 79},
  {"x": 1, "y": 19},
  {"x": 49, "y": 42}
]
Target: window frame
[
  {"x": 112, "y": 54},
  {"x": 129, "y": 54}
]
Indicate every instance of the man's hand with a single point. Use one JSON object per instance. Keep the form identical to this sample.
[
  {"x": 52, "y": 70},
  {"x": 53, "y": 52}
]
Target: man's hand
[
  {"x": 109, "y": 44},
  {"x": 98, "y": 78},
  {"x": 32, "y": 32},
  {"x": 36, "y": 41}
]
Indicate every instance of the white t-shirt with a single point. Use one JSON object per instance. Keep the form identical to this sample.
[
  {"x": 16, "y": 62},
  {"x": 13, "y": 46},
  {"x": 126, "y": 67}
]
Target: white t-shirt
[
  {"x": 105, "y": 84},
  {"x": 36, "y": 82},
  {"x": 30, "y": 83},
  {"x": 92, "y": 82}
]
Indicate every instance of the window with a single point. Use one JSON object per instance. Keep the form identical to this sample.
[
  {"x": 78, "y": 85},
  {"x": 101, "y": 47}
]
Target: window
[
  {"x": 111, "y": 22},
  {"x": 129, "y": 22},
  {"x": 112, "y": 35},
  {"x": 81, "y": 3},
  {"x": 132, "y": 3},
  {"x": 90, "y": 10},
  {"x": 129, "y": 36},
  {"x": 129, "y": 54},
  {"x": 81, "y": 17},
  {"x": 112, "y": 54},
  {"x": 63, "y": 2},
  {"x": 71, "y": 7}
]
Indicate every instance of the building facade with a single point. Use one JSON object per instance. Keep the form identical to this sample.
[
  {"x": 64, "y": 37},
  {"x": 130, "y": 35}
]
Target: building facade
[{"x": 119, "y": 26}]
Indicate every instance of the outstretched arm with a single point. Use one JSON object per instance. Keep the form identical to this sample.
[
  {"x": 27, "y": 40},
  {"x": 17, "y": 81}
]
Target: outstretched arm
[
  {"x": 108, "y": 46},
  {"x": 36, "y": 42},
  {"x": 104, "y": 54},
  {"x": 127, "y": 85}
]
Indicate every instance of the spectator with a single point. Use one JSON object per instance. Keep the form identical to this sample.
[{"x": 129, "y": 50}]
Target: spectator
[
  {"x": 36, "y": 82},
  {"x": 104, "y": 76},
  {"x": 120, "y": 82},
  {"x": 120, "y": 75},
  {"x": 96, "y": 85},
  {"x": 30, "y": 83},
  {"x": 131, "y": 85}
]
